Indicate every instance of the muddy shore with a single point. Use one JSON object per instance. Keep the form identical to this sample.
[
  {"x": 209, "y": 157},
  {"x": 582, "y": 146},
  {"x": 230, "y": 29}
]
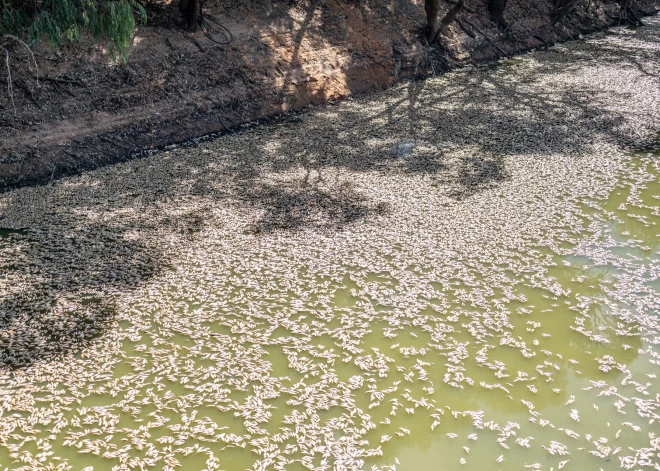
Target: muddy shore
[{"x": 88, "y": 111}]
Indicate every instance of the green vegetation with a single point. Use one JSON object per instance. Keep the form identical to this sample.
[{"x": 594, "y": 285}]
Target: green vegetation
[{"x": 60, "y": 21}]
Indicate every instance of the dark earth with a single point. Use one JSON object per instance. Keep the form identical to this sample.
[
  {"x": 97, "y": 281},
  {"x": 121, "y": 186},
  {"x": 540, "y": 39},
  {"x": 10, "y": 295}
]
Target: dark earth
[{"x": 273, "y": 59}]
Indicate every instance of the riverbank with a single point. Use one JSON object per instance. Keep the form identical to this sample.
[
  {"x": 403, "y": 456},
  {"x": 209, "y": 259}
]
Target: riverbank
[{"x": 87, "y": 112}]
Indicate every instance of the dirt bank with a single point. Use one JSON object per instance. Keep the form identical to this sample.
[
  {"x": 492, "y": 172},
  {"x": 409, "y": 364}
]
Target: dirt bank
[{"x": 87, "y": 111}]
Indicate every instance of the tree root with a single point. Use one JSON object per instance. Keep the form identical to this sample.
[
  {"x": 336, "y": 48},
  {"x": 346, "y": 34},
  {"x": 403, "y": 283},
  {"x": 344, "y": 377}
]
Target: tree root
[
  {"x": 488, "y": 39},
  {"x": 64, "y": 80},
  {"x": 469, "y": 32},
  {"x": 5, "y": 40},
  {"x": 23, "y": 86}
]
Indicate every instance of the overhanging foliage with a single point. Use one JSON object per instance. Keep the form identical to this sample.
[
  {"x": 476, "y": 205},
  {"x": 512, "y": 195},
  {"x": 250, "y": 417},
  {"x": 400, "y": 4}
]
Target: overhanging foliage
[{"x": 64, "y": 20}]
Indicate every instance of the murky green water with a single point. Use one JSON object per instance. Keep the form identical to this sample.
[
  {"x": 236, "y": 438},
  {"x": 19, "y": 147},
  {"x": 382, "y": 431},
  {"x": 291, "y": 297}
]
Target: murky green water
[
  {"x": 568, "y": 349},
  {"x": 264, "y": 302},
  {"x": 525, "y": 359}
]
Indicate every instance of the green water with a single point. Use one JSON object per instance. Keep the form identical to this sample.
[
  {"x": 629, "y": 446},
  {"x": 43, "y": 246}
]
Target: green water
[
  {"x": 303, "y": 298},
  {"x": 501, "y": 350}
]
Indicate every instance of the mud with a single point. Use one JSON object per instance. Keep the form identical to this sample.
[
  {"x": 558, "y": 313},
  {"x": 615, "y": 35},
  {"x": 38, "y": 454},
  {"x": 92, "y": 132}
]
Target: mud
[{"x": 87, "y": 110}]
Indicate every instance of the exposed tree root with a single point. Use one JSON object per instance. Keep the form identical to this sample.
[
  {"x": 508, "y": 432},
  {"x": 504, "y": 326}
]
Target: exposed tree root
[{"x": 5, "y": 42}]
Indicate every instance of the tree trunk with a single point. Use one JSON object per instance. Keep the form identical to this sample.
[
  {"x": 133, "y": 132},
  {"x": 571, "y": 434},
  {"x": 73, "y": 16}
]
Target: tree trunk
[
  {"x": 496, "y": 9},
  {"x": 191, "y": 10},
  {"x": 625, "y": 4},
  {"x": 432, "y": 8},
  {"x": 449, "y": 17},
  {"x": 626, "y": 13}
]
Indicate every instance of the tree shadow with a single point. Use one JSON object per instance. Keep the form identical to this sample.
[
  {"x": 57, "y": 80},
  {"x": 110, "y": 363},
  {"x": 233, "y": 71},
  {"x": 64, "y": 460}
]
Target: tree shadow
[
  {"x": 56, "y": 282},
  {"x": 106, "y": 233},
  {"x": 476, "y": 174},
  {"x": 285, "y": 56},
  {"x": 301, "y": 206},
  {"x": 61, "y": 278},
  {"x": 490, "y": 114}
]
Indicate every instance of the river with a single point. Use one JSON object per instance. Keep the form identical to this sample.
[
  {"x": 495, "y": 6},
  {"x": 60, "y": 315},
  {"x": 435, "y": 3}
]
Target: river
[{"x": 460, "y": 273}]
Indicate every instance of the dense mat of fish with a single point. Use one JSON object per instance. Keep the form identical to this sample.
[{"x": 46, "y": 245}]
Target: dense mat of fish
[{"x": 464, "y": 271}]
